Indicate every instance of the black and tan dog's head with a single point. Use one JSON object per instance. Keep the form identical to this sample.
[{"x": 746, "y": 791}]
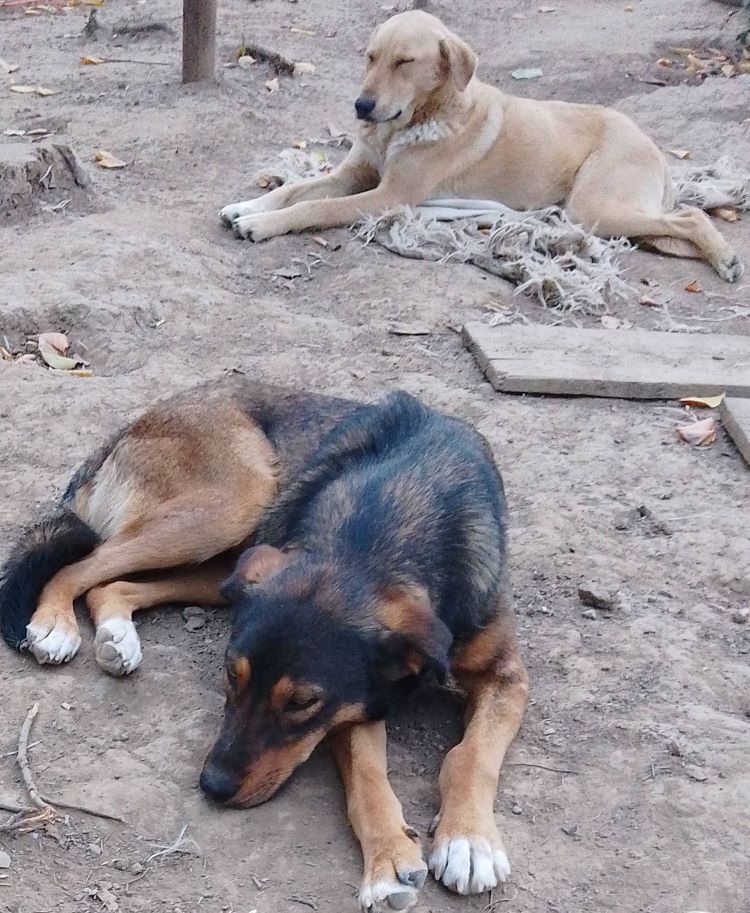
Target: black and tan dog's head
[
  {"x": 409, "y": 57},
  {"x": 313, "y": 648}
]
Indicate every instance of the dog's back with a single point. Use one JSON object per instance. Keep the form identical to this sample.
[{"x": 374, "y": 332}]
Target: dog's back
[{"x": 411, "y": 494}]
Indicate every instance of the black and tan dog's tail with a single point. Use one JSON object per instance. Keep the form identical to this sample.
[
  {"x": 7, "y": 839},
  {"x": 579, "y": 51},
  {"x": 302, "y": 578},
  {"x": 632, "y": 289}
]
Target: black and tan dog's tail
[{"x": 44, "y": 549}]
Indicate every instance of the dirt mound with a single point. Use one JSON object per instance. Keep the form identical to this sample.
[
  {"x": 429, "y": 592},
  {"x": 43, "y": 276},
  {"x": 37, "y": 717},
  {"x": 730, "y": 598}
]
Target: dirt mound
[{"x": 39, "y": 175}]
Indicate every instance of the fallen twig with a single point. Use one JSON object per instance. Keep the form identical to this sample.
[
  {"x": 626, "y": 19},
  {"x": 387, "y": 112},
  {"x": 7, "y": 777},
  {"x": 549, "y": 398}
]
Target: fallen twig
[
  {"x": 280, "y": 63},
  {"x": 23, "y": 761},
  {"x": 145, "y": 63},
  {"x": 141, "y": 28},
  {"x": 554, "y": 770},
  {"x": 85, "y": 809}
]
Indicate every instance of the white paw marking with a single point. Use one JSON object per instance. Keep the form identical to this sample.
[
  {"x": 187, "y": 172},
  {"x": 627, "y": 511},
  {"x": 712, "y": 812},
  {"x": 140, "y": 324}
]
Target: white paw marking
[
  {"x": 246, "y": 227},
  {"x": 56, "y": 643},
  {"x": 229, "y": 213},
  {"x": 118, "y": 647},
  {"x": 469, "y": 865},
  {"x": 387, "y": 893}
]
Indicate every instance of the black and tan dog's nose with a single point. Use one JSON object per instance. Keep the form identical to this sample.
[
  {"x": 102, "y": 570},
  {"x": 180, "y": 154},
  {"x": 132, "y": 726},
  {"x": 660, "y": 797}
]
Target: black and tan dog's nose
[
  {"x": 364, "y": 107},
  {"x": 216, "y": 784}
]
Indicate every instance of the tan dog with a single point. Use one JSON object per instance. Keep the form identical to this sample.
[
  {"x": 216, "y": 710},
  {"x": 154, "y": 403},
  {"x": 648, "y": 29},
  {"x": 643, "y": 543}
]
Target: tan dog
[{"x": 430, "y": 129}]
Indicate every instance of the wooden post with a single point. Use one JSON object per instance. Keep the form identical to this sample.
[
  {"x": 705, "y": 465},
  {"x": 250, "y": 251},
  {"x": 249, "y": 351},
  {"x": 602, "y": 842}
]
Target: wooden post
[{"x": 198, "y": 40}]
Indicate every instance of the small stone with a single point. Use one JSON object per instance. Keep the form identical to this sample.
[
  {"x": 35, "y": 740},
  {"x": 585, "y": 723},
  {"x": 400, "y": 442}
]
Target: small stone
[
  {"x": 193, "y": 611},
  {"x": 517, "y": 810},
  {"x": 137, "y": 869},
  {"x": 741, "y": 616},
  {"x": 570, "y": 829},
  {"x": 120, "y": 737},
  {"x": 590, "y": 614},
  {"x": 596, "y": 596},
  {"x": 4, "y": 860},
  {"x": 696, "y": 773},
  {"x": 121, "y": 865},
  {"x": 674, "y": 748},
  {"x": 195, "y": 624}
]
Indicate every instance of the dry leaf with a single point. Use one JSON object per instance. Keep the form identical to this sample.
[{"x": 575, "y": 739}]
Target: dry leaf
[
  {"x": 273, "y": 84},
  {"x": 680, "y": 153},
  {"x": 300, "y": 69},
  {"x": 703, "y": 402},
  {"x": 409, "y": 329},
  {"x": 105, "y": 159},
  {"x": 725, "y": 213},
  {"x": 92, "y": 61},
  {"x": 26, "y": 359},
  {"x": 52, "y": 348},
  {"x": 694, "y": 286},
  {"x": 245, "y": 61},
  {"x": 33, "y": 90},
  {"x": 699, "y": 434},
  {"x": 728, "y": 70},
  {"x": 615, "y": 323}
]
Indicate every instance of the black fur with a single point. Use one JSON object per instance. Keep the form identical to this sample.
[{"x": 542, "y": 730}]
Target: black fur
[
  {"x": 42, "y": 551},
  {"x": 399, "y": 509}
]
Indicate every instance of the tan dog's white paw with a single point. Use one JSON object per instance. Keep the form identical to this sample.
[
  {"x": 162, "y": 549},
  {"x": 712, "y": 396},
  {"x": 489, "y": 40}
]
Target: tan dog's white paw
[
  {"x": 53, "y": 642},
  {"x": 250, "y": 227},
  {"x": 118, "y": 647},
  {"x": 229, "y": 213},
  {"x": 469, "y": 864}
]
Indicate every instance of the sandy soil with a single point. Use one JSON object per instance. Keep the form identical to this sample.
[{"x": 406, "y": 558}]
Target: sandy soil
[{"x": 161, "y": 296}]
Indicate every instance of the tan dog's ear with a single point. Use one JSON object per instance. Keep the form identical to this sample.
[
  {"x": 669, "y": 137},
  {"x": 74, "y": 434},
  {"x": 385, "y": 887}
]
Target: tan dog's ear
[
  {"x": 254, "y": 565},
  {"x": 415, "y": 638},
  {"x": 458, "y": 60}
]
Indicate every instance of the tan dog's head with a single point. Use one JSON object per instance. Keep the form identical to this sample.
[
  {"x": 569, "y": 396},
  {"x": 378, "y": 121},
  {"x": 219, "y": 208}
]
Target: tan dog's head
[{"x": 409, "y": 57}]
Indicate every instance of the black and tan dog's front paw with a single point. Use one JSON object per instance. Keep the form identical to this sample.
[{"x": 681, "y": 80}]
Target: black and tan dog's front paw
[
  {"x": 468, "y": 860},
  {"x": 393, "y": 876}
]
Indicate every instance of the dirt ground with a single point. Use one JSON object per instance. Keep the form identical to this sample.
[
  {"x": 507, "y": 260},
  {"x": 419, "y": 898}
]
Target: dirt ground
[{"x": 643, "y": 716}]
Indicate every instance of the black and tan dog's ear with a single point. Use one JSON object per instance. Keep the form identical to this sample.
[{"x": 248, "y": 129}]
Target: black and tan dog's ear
[
  {"x": 457, "y": 60},
  {"x": 254, "y": 566},
  {"x": 415, "y": 639}
]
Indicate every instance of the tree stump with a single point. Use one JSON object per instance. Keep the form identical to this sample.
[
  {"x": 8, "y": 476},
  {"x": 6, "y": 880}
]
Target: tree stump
[{"x": 47, "y": 173}]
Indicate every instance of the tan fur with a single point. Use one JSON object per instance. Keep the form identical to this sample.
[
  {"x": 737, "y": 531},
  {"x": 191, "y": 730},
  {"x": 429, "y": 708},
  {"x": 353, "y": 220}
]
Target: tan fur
[
  {"x": 438, "y": 131},
  {"x": 166, "y": 496}
]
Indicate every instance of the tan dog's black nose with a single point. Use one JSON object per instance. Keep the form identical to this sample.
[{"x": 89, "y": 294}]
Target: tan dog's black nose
[{"x": 364, "y": 107}]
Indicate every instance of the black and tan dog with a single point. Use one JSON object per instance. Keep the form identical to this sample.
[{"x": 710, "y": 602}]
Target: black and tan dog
[{"x": 381, "y": 559}]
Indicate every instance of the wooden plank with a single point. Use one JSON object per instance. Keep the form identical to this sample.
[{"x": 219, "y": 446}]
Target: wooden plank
[
  {"x": 631, "y": 364},
  {"x": 735, "y": 413},
  {"x": 198, "y": 40}
]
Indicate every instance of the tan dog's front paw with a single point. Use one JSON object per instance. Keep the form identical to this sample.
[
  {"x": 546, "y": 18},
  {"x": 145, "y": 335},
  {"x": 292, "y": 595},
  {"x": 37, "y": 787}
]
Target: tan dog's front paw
[
  {"x": 731, "y": 269},
  {"x": 470, "y": 862},
  {"x": 53, "y": 639},
  {"x": 393, "y": 875},
  {"x": 250, "y": 228}
]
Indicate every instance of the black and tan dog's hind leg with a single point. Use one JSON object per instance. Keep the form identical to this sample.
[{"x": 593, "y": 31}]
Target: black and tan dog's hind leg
[
  {"x": 111, "y": 605},
  {"x": 186, "y": 530},
  {"x": 468, "y": 855},
  {"x": 394, "y": 870}
]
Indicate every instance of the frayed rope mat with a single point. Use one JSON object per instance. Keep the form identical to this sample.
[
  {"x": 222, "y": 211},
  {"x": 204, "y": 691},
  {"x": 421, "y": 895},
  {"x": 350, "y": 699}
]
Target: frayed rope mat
[{"x": 540, "y": 251}]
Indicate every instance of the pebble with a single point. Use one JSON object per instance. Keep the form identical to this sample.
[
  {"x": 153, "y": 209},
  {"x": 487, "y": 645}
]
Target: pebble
[
  {"x": 195, "y": 618},
  {"x": 4, "y": 860},
  {"x": 596, "y": 596},
  {"x": 696, "y": 773},
  {"x": 517, "y": 810},
  {"x": 741, "y": 616},
  {"x": 137, "y": 869},
  {"x": 674, "y": 749},
  {"x": 589, "y": 613}
]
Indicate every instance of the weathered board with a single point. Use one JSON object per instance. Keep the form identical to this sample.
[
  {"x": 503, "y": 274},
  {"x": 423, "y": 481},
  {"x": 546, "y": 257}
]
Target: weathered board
[
  {"x": 630, "y": 364},
  {"x": 735, "y": 413}
]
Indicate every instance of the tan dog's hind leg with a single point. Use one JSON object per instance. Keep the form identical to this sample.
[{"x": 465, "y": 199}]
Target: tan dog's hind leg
[
  {"x": 467, "y": 854},
  {"x": 617, "y": 196},
  {"x": 352, "y": 176},
  {"x": 118, "y": 647},
  {"x": 393, "y": 867},
  {"x": 187, "y": 529}
]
